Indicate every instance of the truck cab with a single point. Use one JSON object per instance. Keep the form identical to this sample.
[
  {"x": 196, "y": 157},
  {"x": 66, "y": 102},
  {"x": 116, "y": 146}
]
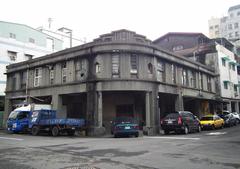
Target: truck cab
[{"x": 18, "y": 119}]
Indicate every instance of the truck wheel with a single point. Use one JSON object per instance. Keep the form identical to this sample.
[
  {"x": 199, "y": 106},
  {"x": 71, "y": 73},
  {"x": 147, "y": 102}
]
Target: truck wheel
[
  {"x": 35, "y": 130},
  {"x": 55, "y": 131},
  {"x": 71, "y": 132}
]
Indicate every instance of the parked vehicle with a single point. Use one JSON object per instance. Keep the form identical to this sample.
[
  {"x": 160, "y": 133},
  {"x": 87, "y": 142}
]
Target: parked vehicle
[
  {"x": 41, "y": 118},
  {"x": 211, "y": 122},
  {"x": 230, "y": 120},
  {"x": 180, "y": 121},
  {"x": 18, "y": 119},
  {"x": 237, "y": 116},
  {"x": 46, "y": 121},
  {"x": 125, "y": 126}
]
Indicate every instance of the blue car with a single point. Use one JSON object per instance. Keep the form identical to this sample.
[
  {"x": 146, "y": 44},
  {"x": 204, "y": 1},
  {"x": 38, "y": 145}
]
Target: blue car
[{"x": 125, "y": 126}]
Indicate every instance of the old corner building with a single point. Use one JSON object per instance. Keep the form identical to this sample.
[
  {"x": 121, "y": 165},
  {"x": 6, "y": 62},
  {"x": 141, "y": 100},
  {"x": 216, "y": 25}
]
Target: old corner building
[{"x": 118, "y": 74}]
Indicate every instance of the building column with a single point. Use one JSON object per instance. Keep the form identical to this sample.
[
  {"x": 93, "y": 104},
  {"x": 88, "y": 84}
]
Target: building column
[
  {"x": 94, "y": 113},
  {"x": 229, "y": 106},
  {"x": 150, "y": 108},
  {"x": 7, "y": 110},
  {"x": 147, "y": 107},
  {"x": 236, "y": 106},
  {"x": 99, "y": 109},
  {"x": 58, "y": 106},
  {"x": 179, "y": 103}
]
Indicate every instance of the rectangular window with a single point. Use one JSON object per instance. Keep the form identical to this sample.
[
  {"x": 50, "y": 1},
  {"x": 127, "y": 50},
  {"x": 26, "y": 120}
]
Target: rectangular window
[
  {"x": 80, "y": 69},
  {"x": 50, "y": 44},
  {"x": 178, "y": 47},
  {"x": 160, "y": 71},
  {"x": 225, "y": 84},
  {"x": 230, "y": 27},
  {"x": 184, "y": 77},
  {"x": 192, "y": 79},
  {"x": 64, "y": 72},
  {"x": 28, "y": 57},
  {"x": 236, "y": 34},
  {"x": 14, "y": 80},
  {"x": 223, "y": 62},
  {"x": 134, "y": 64},
  {"x": 51, "y": 75},
  {"x": 12, "y": 35},
  {"x": 209, "y": 84},
  {"x": 12, "y": 55},
  {"x": 31, "y": 40},
  {"x": 115, "y": 65},
  {"x": 233, "y": 67},
  {"x": 23, "y": 79},
  {"x": 200, "y": 81},
  {"x": 37, "y": 77},
  {"x": 173, "y": 74},
  {"x": 97, "y": 67},
  {"x": 236, "y": 25}
]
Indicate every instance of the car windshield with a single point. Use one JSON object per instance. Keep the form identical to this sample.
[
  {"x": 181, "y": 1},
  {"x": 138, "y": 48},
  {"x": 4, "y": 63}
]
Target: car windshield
[
  {"x": 13, "y": 115},
  {"x": 207, "y": 118},
  {"x": 172, "y": 115},
  {"x": 124, "y": 120}
]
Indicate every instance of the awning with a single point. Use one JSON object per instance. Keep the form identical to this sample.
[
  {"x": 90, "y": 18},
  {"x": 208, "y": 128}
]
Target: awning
[
  {"x": 226, "y": 81},
  {"x": 225, "y": 58},
  {"x": 233, "y": 63}
]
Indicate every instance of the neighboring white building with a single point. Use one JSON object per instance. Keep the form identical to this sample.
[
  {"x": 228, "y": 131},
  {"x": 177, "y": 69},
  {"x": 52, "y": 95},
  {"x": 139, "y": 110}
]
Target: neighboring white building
[
  {"x": 20, "y": 42},
  {"x": 228, "y": 78},
  {"x": 214, "y": 27},
  {"x": 227, "y": 27}
]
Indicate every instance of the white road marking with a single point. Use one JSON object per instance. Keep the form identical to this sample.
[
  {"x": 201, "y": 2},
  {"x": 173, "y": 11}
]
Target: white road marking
[
  {"x": 9, "y": 138},
  {"x": 175, "y": 138},
  {"x": 216, "y": 133}
]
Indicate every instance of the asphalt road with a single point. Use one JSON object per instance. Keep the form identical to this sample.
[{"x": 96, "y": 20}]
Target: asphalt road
[{"x": 215, "y": 149}]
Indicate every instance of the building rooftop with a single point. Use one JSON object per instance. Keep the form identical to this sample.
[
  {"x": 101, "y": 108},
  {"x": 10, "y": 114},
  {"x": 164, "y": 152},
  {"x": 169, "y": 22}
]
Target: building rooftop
[{"x": 232, "y": 8}]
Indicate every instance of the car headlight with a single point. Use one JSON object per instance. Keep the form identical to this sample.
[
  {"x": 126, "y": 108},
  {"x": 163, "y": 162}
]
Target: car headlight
[{"x": 14, "y": 125}]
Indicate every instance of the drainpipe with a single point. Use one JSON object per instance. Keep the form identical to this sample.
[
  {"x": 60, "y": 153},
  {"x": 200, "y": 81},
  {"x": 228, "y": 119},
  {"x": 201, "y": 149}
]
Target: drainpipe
[{"x": 26, "y": 92}]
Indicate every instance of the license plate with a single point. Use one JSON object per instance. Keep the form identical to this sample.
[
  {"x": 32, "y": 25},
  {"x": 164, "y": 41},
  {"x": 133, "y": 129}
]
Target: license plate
[
  {"x": 170, "y": 122},
  {"x": 127, "y": 127}
]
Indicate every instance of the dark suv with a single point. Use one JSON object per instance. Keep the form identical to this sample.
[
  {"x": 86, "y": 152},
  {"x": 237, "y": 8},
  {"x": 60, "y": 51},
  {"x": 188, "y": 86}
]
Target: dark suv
[{"x": 180, "y": 122}]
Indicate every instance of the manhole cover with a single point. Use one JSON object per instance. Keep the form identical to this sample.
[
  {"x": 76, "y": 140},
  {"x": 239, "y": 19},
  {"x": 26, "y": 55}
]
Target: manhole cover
[{"x": 81, "y": 167}]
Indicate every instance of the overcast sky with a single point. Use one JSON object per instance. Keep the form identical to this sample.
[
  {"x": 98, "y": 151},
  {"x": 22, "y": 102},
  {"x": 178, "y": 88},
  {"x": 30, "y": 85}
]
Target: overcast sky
[{"x": 91, "y": 18}]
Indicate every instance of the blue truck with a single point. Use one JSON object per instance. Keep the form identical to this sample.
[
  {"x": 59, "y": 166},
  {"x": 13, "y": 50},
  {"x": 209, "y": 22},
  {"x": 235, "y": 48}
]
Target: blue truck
[{"x": 42, "y": 119}]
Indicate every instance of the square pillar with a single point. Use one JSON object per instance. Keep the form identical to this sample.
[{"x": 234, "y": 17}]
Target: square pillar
[
  {"x": 58, "y": 106},
  {"x": 99, "y": 109},
  {"x": 179, "y": 103},
  {"x": 7, "y": 111},
  {"x": 147, "y": 107},
  {"x": 229, "y": 106}
]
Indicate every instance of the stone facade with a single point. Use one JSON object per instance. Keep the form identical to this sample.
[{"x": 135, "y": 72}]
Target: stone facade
[{"x": 118, "y": 74}]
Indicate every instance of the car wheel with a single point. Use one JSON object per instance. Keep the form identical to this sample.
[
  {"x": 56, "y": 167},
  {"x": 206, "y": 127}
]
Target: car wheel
[
  {"x": 213, "y": 127},
  {"x": 185, "y": 130},
  {"x": 71, "y": 132},
  {"x": 199, "y": 128},
  {"x": 166, "y": 132},
  {"x": 136, "y": 135},
  {"x": 115, "y": 136},
  {"x": 55, "y": 131},
  {"x": 222, "y": 125},
  {"x": 238, "y": 120},
  {"x": 35, "y": 130}
]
